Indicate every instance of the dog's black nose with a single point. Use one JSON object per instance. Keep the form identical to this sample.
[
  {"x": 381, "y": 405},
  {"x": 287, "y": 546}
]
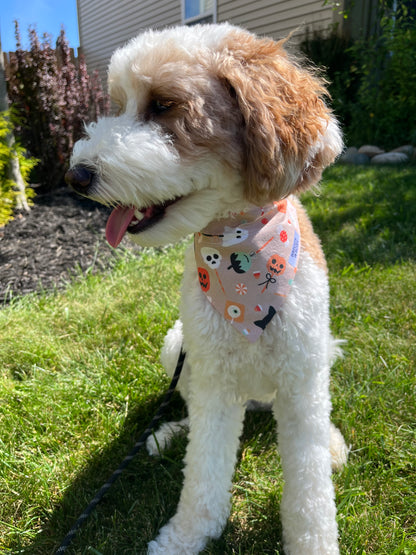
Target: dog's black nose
[{"x": 79, "y": 178}]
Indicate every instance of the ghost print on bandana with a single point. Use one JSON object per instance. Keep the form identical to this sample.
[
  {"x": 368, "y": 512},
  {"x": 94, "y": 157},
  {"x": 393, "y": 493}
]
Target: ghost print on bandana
[{"x": 247, "y": 263}]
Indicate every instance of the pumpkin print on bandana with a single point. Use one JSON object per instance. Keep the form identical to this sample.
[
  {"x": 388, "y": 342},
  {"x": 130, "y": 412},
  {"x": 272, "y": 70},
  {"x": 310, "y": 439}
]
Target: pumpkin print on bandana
[{"x": 247, "y": 263}]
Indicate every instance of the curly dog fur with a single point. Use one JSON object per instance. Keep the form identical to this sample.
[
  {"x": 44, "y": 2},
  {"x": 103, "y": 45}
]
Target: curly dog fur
[{"x": 214, "y": 120}]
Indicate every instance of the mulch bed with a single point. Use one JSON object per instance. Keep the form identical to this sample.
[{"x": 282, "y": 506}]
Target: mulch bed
[{"x": 42, "y": 249}]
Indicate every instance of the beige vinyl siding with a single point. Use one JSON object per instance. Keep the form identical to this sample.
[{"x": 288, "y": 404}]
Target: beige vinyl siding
[
  {"x": 107, "y": 25},
  {"x": 276, "y": 18}
]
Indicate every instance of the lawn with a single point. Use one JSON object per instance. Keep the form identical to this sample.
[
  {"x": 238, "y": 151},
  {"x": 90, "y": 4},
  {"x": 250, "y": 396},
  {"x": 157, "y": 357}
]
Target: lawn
[{"x": 80, "y": 379}]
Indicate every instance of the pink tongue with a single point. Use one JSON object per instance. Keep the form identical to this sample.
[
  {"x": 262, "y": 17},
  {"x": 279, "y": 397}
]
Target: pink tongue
[{"x": 117, "y": 224}]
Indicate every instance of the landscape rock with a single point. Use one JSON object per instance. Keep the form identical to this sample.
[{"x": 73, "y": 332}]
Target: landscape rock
[
  {"x": 362, "y": 159},
  {"x": 349, "y": 155},
  {"x": 390, "y": 158},
  {"x": 370, "y": 150},
  {"x": 406, "y": 149},
  {"x": 373, "y": 154},
  {"x": 352, "y": 156}
]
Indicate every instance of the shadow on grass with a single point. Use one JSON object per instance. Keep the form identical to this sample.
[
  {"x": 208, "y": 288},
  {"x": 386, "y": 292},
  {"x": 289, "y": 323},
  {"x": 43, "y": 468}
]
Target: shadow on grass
[
  {"x": 263, "y": 537},
  {"x": 146, "y": 496},
  {"x": 137, "y": 504},
  {"x": 366, "y": 215}
]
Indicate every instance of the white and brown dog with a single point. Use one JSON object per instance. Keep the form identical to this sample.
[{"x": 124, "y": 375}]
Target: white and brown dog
[{"x": 218, "y": 131}]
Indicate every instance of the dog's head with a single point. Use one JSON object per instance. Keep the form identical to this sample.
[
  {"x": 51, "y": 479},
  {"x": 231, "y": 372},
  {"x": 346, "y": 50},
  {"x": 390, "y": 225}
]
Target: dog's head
[{"x": 211, "y": 118}]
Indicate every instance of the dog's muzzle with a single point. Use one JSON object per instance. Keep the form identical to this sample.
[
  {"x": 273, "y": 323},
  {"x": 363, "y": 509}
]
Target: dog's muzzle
[{"x": 80, "y": 179}]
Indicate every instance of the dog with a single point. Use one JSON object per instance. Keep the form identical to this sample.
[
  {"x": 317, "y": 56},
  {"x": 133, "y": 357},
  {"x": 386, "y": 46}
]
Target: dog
[{"x": 217, "y": 134}]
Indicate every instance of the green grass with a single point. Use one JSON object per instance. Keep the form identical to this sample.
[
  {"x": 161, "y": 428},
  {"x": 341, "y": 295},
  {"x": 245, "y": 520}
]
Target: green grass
[{"x": 80, "y": 379}]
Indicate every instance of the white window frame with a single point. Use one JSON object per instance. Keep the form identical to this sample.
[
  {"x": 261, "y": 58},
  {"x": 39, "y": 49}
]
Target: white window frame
[{"x": 197, "y": 18}]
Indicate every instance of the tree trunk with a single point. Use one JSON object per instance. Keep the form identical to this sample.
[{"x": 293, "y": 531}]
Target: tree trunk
[{"x": 13, "y": 169}]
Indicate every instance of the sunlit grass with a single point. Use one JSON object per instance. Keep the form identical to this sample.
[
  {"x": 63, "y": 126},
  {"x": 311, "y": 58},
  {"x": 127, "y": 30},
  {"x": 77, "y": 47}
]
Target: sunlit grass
[{"x": 80, "y": 379}]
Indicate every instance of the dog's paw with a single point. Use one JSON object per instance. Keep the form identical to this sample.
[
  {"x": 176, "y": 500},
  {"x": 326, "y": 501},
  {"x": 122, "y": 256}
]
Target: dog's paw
[
  {"x": 153, "y": 548},
  {"x": 161, "y": 439},
  {"x": 338, "y": 449},
  {"x": 168, "y": 543}
]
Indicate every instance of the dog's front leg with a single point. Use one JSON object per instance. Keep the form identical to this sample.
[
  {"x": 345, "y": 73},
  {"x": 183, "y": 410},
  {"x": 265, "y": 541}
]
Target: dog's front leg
[
  {"x": 308, "y": 507},
  {"x": 215, "y": 427}
]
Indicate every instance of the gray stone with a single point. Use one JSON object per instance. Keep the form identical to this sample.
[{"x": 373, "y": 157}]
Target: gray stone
[
  {"x": 390, "y": 158},
  {"x": 406, "y": 149},
  {"x": 361, "y": 159},
  {"x": 348, "y": 156},
  {"x": 352, "y": 156},
  {"x": 370, "y": 150}
]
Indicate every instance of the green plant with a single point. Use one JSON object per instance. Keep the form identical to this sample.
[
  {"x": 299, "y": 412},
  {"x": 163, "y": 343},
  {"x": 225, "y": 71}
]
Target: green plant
[
  {"x": 373, "y": 80},
  {"x": 386, "y": 98},
  {"x": 333, "y": 53},
  {"x": 80, "y": 379},
  {"x": 8, "y": 193}
]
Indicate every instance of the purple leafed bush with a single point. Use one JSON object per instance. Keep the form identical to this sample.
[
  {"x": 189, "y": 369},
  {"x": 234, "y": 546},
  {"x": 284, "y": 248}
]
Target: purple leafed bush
[{"x": 53, "y": 95}]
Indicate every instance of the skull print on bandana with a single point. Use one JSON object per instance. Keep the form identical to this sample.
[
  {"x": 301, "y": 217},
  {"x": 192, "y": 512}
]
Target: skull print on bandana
[{"x": 247, "y": 263}]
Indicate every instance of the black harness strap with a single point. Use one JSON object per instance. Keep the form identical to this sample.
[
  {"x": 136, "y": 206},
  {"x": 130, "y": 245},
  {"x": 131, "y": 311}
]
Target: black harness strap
[{"x": 123, "y": 465}]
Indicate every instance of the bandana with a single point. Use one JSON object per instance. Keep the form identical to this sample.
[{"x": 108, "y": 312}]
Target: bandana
[{"x": 247, "y": 263}]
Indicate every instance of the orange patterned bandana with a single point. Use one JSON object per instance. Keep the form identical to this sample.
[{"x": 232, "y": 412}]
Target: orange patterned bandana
[{"x": 247, "y": 263}]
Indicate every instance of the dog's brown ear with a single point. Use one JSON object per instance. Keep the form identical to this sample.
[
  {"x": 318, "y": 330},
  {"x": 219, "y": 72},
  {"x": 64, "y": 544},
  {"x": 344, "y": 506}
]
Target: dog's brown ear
[{"x": 289, "y": 133}]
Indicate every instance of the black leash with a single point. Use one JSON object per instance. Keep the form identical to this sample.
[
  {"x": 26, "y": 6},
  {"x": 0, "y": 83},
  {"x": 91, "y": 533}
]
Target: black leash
[{"x": 138, "y": 445}]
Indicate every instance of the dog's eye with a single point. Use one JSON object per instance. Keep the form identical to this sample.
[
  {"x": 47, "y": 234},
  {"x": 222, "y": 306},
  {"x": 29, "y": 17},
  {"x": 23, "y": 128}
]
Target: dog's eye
[{"x": 158, "y": 107}]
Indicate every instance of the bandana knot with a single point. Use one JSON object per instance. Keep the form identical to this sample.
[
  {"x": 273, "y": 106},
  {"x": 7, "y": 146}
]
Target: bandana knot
[{"x": 246, "y": 264}]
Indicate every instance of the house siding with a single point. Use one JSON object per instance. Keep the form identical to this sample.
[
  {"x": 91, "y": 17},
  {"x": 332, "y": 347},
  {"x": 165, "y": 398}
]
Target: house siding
[
  {"x": 276, "y": 19},
  {"x": 105, "y": 26}
]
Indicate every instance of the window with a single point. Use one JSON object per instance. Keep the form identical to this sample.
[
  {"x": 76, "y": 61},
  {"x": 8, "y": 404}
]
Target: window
[{"x": 199, "y": 11}]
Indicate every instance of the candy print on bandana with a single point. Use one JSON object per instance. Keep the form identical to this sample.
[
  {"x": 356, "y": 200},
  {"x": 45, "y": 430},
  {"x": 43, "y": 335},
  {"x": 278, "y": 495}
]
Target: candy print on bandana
[
  {"x": 241, "y": 289},
  {"x": 247, "y": 263}
]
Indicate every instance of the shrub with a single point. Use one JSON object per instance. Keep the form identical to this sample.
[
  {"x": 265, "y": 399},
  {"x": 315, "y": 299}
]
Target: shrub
[
  {"x": 334, "y": 53},
  {"x": 373, "y": 80},
  {"x": 53, "y": 97},
  {"x": 8, "y": 193},
  {"x": 386, "y": 98}
]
